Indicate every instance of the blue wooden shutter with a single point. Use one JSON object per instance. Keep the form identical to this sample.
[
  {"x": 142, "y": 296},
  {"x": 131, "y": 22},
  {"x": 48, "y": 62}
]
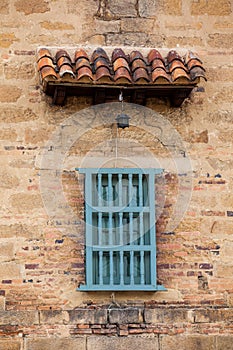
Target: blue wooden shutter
[{"x": 120, "y": 229}]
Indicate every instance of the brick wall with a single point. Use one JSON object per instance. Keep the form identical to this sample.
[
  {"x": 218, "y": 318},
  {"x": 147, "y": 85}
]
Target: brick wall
[{"x": 41, "y": 255}]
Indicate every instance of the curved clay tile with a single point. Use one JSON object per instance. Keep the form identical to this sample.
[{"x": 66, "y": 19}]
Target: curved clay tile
[
  {"x": 101, "y": 62},
  {"x": 45, "y": 61},
  {"x": 122, "y": 73},
  {"x": 180, "y": 74},
  {"x": 154, "y": 54},
  {"x": 138, "y": 63},
  {"x": 99, "y": 52},
  {"x": 62, "y": 53},
  {"x": 43, "y": 53},
  {"x": 84, "y": 72},
  {"x": 160, "y": 74},
  {"x": 197, "y": 72},
  {"x": 66, "y": 69},
  {"x": 117, "y": 53},
  {"x": 120, "y": 62},
  {"x": 63, "y": 60},
  {"x": 48, "y": 72},
  {"x": 173, "y": 55},
  {"x": 177, "y": 64},
  {"x": 194, "y": 63},
  {"x": 82, "y": 62},
  {"x": 157, "y": 63},
  {"x": 191, "y": 56},
  {"x": 103, "y": 73},
  {"x": 134, "y": 55},
  {"x": 140, "y": 73},
  {"x": 80, "y": 53}
]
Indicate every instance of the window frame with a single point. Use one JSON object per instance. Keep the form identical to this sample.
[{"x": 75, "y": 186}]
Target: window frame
[{"x": 90, "y": 209}]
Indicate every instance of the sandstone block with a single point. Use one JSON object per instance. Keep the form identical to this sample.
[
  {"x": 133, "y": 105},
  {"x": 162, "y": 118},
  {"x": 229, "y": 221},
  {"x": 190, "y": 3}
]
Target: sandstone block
[
  {"x": 16, "y": 115},
  {"x": 200, "y": 342},
  {"x": 21, "y": 318},
  {"x": 122, "y": 8},
  {"x": 134, "y": 39},
  {"x": 8, "y": 180},
  {"x": 163, "y": 315},
  {"x": 2, "y": 303},
  {"x": 56, "y": 25},
  {"x": 8, "y": 134},
  {"x": 124, "y": 316},
  {"x": 36, "y": 136},
  {"x": 129, "y": 343},
  {"x": 151, "y": 8},
  {"x": 77, "y": 343},
  {"x": 10, "y": 344},
  {"x": 224, "y": 342},
  {"x": 4, "y": 7},
  {"x": 214, "y": 7},
  {"x": 9, "y": 93},
  {"x": 7, "y": 39},
  {"x": 79, "y": 316},
  {"x": 23, "y": 202},
  {"x": 220, "y": 40},
  {"x": 32, "y": 6},
  {"x": 19, "y": 71},
  {"x": 10, "y": 270},
  {"x": 172, "y": 41},
  {"x": 54, "y": 317},
  {"x": 6, "y": 251},
  {"x": 136, "y": 24}
]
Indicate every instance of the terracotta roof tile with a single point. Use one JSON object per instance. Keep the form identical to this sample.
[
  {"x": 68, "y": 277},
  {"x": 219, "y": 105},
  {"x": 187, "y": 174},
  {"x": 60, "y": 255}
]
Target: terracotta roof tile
[{"x": 134, "y": 68}]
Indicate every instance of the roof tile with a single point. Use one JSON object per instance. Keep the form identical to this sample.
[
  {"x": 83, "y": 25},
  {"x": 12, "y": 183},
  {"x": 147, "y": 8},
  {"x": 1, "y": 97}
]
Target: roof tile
[{"x": 133, "y": 68}]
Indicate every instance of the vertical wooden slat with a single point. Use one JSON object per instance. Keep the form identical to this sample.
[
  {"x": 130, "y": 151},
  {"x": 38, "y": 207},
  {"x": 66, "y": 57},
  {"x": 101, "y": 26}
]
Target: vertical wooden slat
[
  {"x": 140, "y": 190},
  {"x": 110, "y": 189},
  {"x": 131, "y": 228},
  {"x": 99, "y": 189},
  {"x": 100, "y": 228},
  {"x": 130, "y": 188},
  {"x": 120, "y": 189},
  {"x": 111, "y": 267},
  {"x": 101, "y": 267},
  {"x": 131, "y": 267},
  {"x": 141, "y": 228},
  {"x": 121, "y": 228},
  {"x": 142, "y": 268},
  {"x": 121, "y": 267}
]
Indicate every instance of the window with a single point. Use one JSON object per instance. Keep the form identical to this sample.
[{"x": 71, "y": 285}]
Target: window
[{"x": 120, "y": 229}]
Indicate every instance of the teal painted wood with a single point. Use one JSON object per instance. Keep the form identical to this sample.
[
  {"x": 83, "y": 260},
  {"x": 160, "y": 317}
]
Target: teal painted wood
[{"x": 119, "y": 255}]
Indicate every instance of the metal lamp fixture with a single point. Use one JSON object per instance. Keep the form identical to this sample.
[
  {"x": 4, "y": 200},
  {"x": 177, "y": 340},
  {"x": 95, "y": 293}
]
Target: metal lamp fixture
[{"x": 122, "y": 118}]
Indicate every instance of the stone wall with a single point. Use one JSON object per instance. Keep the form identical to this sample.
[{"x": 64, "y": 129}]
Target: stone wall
[{"x": 41, "y": 255}]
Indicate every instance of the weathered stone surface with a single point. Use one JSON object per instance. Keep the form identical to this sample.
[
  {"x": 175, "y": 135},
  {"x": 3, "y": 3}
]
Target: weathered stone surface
[
  {"x": 132, "y": 39},
  {"x": 21, "y": 318},
  {"x": 224, "y": 342},
  {"x": 77, "y": 343},
  {"x": 136, "y": 24},
  {"x": 22, "y": 71},
  {"x": 7, "y": 39},
  {"x": 2, "y": 303},
  {"x": 10, "y": 344},
  {"x": 54, "y": 317},
  {"x": 79, "y": 316},
  {"x": 124, "y": 316},
  {"x": 200, "y": 342},
  {"x": 8, "y": 180},
  {"x": 32, "y": 6},
  {"x": 4, "y": 7},
  {"x": 220, "y": 40},
  {"x": 17, "y": 115},
  {"x": 56, "y": 25},
  {"x": 10, "y": 270},
  {"x": 115, "y": 343},
  {"x": 9, "y": 93},
  {"x": 172, "y": 41},
  {"x": 26, "y": 202},
  {"x": 122, "y": 8},
  {"x": 151, "y": 8},
  {"x": 214, "y": 7},
  {"x": 161, "y": 315},
  {"x": 6, "y": 251},
  {"x": 8, "y": 134}
]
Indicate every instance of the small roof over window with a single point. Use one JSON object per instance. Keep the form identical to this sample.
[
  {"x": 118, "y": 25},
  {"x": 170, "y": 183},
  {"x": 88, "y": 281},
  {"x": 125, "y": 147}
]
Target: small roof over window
[{"x": 102, "y": 75}]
